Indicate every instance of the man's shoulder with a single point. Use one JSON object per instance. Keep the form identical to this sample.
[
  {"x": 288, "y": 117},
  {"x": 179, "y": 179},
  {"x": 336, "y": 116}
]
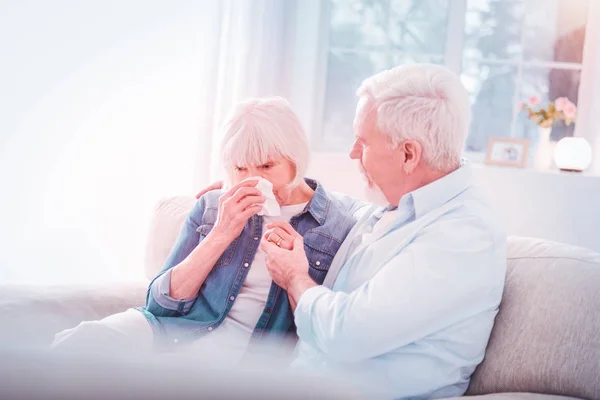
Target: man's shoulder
[
  {"x": 471, "y": 214},
  {"x": 476, "y": 205}
]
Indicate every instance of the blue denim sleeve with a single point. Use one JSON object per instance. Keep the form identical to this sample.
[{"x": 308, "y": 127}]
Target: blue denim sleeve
[
  {"x": 158, "y": 301},
  {"x": 160, "y": 290}
]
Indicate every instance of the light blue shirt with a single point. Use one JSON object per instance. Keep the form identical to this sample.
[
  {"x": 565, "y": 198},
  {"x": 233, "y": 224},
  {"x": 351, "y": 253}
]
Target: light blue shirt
[{"x": 411, "y": 311}]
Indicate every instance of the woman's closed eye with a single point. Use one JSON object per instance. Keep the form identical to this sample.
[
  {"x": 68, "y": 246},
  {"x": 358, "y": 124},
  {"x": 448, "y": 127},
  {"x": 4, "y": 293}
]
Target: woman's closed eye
[
  {"x": 240, "y": 169},
  {"x": 267, "y": 166}
]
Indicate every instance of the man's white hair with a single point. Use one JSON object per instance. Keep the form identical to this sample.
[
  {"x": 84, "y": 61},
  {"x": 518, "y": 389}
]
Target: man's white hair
[
  {"x": 422, "y": 102},
  {"x": 261, "y": 129}
]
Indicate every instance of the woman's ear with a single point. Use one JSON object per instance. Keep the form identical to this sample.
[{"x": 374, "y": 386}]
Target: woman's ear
[{"x": 413, "y": 152}]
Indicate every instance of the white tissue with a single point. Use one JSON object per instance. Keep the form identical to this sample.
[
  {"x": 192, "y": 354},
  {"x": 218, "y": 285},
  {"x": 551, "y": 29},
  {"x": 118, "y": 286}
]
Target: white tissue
[{"x": 271, "y": 207}]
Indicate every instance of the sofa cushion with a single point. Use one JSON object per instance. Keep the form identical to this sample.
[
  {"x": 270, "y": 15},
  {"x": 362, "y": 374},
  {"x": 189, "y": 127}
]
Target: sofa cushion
[
  {"x": 514, "y": 396},
  {"x": 167, "y": 221},
  {"x": 33, "y": 314},
  {"x": 546, "y": 338}
]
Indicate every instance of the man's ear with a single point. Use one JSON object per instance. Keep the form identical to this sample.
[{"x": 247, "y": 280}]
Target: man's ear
[{"x": 413, "y": 152}]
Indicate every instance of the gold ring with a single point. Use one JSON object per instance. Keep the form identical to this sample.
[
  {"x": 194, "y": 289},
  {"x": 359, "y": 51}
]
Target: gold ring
[
  {"x": 270, "y": 238},
  {"x": 279, "y": 241}
]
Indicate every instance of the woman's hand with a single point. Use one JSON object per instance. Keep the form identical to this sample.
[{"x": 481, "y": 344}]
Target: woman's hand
[
  {"x": 236, "y": 206},
  {"x": 282, "y": 234},
  {"x": 287, "y": 266}
]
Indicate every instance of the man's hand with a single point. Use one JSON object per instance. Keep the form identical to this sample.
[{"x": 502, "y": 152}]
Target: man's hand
[
  {"x": 288, "y": 268},
  {"x": 215, "y": 186}
]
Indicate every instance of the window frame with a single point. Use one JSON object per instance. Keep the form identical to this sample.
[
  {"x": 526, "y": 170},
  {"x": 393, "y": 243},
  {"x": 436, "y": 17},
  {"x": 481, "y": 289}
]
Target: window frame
[{"x": 311, "y": 62}]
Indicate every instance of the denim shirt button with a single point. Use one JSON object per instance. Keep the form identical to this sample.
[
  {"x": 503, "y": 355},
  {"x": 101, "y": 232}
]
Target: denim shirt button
[
  {"x": 246, "y": 265},
  {"x": 268, "y": 310},
  {"x": 210, "y": 328},
  {"x": 255, "y": 238},
  {"x": 231, "y": 298},
  {"x": 318, "y": 263}
]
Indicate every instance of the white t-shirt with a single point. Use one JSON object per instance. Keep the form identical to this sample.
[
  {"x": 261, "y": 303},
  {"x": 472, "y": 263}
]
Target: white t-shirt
[{"x": 228, "y": 342}]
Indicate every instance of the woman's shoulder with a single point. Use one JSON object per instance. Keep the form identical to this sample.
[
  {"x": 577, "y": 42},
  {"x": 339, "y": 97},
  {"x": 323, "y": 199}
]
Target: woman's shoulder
[
  {"x": 340, "y": 205},
  {"x": 337, "y": 218},
  {"x": 339, "y": 208},
  {"x": 206, "y": 207},
  {"x": 210, "y": 199}
]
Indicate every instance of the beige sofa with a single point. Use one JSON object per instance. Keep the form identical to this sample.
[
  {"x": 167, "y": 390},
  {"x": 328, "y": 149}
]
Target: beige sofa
[{"x": 546, "y": 340}]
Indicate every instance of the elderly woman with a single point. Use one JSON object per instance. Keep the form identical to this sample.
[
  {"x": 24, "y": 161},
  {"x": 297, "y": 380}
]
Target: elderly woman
[{"x": 215, "y": 293}]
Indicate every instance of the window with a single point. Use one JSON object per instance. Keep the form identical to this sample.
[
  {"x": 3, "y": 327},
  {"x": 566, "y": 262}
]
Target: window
[{"x": 504, "y": 50}]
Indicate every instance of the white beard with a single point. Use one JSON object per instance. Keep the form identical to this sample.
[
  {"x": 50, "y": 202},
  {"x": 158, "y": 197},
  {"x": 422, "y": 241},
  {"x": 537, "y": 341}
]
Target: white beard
[
  {"x": 375, "y": 195},
  {"x": 372, "y": 192}
]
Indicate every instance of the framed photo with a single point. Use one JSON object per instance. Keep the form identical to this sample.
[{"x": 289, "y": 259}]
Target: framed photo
[{"x": 507, "y": 152}]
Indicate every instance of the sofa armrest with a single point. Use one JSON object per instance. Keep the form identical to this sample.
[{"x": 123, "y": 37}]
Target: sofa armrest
[{"x": 33, "y": 314}]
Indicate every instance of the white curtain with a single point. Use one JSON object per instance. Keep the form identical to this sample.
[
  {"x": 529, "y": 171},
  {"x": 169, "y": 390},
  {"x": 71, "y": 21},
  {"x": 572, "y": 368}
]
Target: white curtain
[
  {"x": 588, "y": 124},
  {"x": 253, "y": 60},
  {"x": 107, "y": 106}
]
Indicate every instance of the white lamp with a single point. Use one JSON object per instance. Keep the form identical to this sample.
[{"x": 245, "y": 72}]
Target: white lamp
[{"x": 573, "y": 154}]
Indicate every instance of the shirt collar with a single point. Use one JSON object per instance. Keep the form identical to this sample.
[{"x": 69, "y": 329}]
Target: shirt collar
[
  {"x": 319, "y": 204},
  {"x": 439, "y": 192}
]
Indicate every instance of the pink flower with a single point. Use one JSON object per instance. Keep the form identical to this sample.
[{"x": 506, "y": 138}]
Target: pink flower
[
  {"x": 570, "y": 111},
  {"x": 534, "y": 101},
  {"x": 561, "y": 103}
]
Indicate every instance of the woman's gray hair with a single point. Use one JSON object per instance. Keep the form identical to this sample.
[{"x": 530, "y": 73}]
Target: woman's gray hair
[{"x": 260, "y": 129}]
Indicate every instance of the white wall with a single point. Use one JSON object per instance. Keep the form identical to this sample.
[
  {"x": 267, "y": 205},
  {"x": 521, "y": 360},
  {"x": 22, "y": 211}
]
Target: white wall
[
  {"x": 557, "y": 206},
  {"x": 99, "y": 117}
]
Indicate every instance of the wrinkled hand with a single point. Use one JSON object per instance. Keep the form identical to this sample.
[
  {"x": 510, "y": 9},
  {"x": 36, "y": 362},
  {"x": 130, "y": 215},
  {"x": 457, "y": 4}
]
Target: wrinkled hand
[
  {"x": 236, "y": 206},
  {"x": 215, "y": 186},
  {"x": 285, "y": 265},
  {"x": 283, "y": 230}
]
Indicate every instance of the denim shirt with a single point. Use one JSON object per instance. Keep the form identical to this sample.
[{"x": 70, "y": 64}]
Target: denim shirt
[{"x": 324, "y": 224}]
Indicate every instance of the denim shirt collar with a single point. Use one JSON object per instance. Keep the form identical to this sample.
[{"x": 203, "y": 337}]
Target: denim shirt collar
[{"x": 319, "y": 204}]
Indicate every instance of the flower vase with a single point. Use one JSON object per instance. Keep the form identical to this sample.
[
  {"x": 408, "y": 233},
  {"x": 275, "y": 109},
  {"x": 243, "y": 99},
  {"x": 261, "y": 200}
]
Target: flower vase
[{"x": 543, "y": 150}]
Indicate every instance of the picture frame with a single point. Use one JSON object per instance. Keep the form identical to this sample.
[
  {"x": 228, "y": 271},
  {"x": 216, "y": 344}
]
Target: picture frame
[{"x": 507, "y": 152}]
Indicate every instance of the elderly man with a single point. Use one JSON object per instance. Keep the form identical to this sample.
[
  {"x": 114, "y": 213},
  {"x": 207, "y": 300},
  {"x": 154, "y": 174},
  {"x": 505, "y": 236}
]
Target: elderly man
[{"x": 409, "y": 302}]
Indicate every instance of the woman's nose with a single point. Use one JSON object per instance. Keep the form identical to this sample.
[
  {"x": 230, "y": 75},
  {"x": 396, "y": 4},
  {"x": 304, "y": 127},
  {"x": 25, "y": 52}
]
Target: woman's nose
[{"x": 253, "y": 171}]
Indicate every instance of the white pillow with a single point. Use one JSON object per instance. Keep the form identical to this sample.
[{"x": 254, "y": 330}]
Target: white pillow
[{"x": 167, "y": 221}]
